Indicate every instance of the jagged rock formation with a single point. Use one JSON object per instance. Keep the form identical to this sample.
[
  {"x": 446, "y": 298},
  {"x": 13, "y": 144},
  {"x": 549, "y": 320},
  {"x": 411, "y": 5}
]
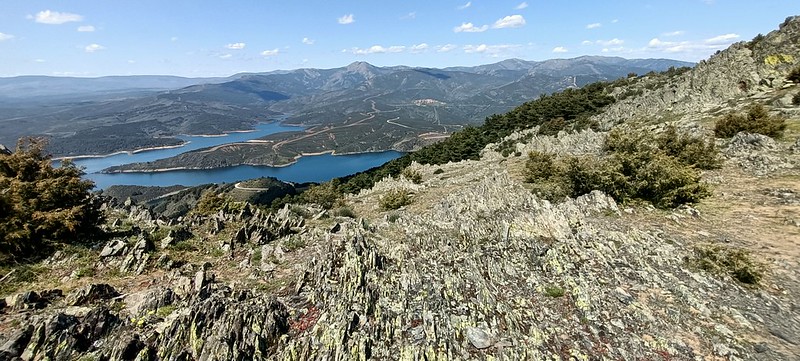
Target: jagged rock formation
[
  {"x": 477, "y": 268},
  {"x": 745, "y": 69},
  {"x": 758, "y": 153}
]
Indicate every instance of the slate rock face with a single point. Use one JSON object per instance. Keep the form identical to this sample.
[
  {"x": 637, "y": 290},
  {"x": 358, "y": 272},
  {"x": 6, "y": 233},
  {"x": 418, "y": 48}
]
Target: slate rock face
[{"x": 91, "y": 293}]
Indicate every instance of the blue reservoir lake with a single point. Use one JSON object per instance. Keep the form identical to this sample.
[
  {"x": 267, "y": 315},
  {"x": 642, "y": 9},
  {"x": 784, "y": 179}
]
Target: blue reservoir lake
[{"x": 315, "y": 168}]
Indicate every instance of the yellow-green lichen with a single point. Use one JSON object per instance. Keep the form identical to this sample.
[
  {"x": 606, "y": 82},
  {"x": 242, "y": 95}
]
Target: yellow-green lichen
[{"x": 776, "y": 59}]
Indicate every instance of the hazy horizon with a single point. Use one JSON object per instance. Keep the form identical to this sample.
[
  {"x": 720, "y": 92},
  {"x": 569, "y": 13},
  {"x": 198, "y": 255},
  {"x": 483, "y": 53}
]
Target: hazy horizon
[
  {"x": 92, "y": 38},
  {"x": 334, "y": 67}
]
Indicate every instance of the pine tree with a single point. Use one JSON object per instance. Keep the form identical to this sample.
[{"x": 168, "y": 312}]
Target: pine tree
[{"x": 42, "y": 205}]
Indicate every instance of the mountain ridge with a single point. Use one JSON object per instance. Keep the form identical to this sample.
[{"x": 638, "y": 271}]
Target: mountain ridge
[
  {"x": 326, "y": 100},
  {"x": 311, "y": 96}
]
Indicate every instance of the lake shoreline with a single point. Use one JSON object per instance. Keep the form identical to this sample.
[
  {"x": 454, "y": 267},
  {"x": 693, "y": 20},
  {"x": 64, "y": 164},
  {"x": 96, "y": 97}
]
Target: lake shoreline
[
  {"x": 182, "y": 144},
  {"x": 128, "y": 152},
  {"x": 294, "y": 160}
]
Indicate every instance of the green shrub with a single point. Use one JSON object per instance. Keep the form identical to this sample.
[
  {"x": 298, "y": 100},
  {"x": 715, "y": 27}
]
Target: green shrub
[
  {"x": 585, "y": 174},
  {"x": 19, "y": 276},
  {"x": 689, "y": 150},
  {"x": 752, "y": 43},
  {"x": 794, "y": 75},
  {"x": 255, "y": 258},
  {"x": 757, "y": 120},
  {"x": 546, "y": 173},
  {"x": 183, "y": 246},
  {"x": 627, "y": 141},
  {"x": 395, "y": 199},
  {"x": 412, "y": 175},
  {"x": 293, "y": 243},
  {"x": 554, "y": 291},
  {"x": 540, "y": 167},
  {"x": 344, "y": 211},
  {"x": 41, "y": 205},
  {"x": 209, "y": 203},
  {"x": 796, "y": 99},
  {"x": 325, "y": 195},
  {"x": 659, "y": 169},
  {"x": 666, "y": 182},
  {"x": 393, "y": 217},
  {"x": 735, "y": 262}
]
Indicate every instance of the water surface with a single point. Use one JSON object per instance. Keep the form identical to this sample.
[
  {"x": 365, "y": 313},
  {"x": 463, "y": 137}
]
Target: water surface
[{"x": 317, "y": 168}]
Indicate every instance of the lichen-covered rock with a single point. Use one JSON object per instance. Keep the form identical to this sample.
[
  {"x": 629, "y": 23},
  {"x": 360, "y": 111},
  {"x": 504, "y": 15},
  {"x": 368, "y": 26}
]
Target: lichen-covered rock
[
  {"x": 92, "y": 293},
  {"x": 756, "y": 153},
  {"x": 115, "y": 247},
  {"x": 744, "y": 69}
]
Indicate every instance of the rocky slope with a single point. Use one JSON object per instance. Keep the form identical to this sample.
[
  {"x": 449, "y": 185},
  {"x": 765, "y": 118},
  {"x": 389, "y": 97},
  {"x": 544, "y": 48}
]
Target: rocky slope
[
  {"x": 475, "y": 267},
  {"x": 746, "y": 70}
]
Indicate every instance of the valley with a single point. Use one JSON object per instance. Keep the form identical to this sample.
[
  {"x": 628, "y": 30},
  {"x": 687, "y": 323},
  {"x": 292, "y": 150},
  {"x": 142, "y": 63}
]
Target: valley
[{"x": 354, "y": 109}]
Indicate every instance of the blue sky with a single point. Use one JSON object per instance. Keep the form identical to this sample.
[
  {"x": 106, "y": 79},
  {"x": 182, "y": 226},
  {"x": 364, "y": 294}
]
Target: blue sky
[{"x": 220, "y": 38}]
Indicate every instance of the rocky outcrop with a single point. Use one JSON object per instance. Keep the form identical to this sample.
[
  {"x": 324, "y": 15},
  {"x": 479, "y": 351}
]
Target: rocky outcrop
[
  {"x": 476, "y": 268},
  {"x": 757, "y": 153},
  {"x": 744, "y": 69}
]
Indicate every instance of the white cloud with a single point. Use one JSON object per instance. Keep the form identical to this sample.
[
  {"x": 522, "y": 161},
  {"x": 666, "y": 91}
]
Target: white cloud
[
  {"x": 614, "y": 50},
  {"x": 226, "y": 56},
  {"x": 86, "y": 28},
  {"x": 410, "y": 16},
  {"x": 4, "y": 37},
  {"x": 614, "y": 21},
  {"x": 91, "y": 48},
  {"x": 56, "y": 18},
  {"x": 511, "y": 21},
  {"x": 586, "y": 42},
  {"x": 476, "y": 49},
  {"x": 560, "y": 49},
  {"x": 468, "y": 4},
  {"x": 593, "y": 25},
  {"x": 235, "y": 46},
  {"x": 726, "y": 38},
  {"x": 419, "y": 48},
  {"x": 131, "y": 61},
  {"x": 695, "y": 48},
  {"x": 445, "y": 48},
  {"x": 494, "y": 50},
  {"x": 470, "y": 28},
  {"x": 272, "y": 52},
  {"x": 308, "y": 41},
  {"x": 378, "y": 49},
  {"x": 346, "y": 19},
  {"x": 521, "y": 5},
  {"x": 39, "y": 61},
  {"x": 674, "y": 33},
  {"x": 173, "y": 39},
  {"x": 612, "y": 42}
]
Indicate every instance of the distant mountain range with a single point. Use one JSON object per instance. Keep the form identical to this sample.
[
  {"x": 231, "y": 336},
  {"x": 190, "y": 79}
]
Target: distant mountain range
[
  {"x": 355, "y": 108},
  {"x": 24, "y": 87}
]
